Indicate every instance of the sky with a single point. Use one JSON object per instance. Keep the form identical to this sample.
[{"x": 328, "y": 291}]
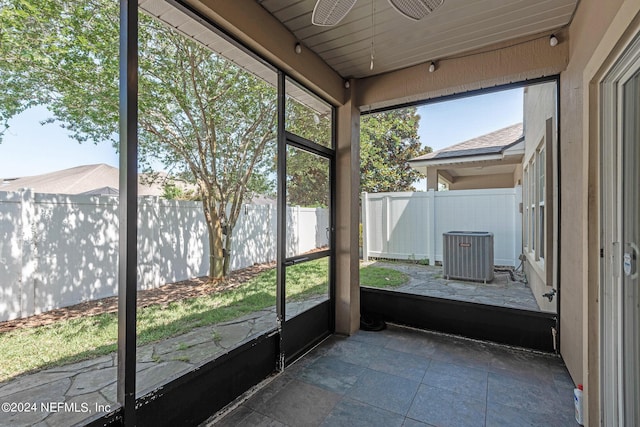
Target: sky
[
  {"x": 446, "y": 123},
  {"x": 29, "y": 148}
]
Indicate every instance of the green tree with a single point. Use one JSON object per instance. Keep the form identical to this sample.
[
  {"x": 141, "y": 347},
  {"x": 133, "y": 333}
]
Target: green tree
[
  {"x": 207, "y": 120},
  {"x": 172, "y": 192},
  {"x": 387, "y": 141},
  {"x": 307, "y": 174},
  {"x": 307, "y": 179}
]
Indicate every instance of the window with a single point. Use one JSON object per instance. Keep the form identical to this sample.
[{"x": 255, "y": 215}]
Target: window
[
  {"x": 541, "y": 191},
  {"x": 525, "y": 204},
  {"x": 532, "y": 203},
  {"x": 534, "y": 193}
]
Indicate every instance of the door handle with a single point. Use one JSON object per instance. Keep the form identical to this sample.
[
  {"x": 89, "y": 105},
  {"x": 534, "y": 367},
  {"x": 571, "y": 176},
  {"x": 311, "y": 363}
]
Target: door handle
[{"x": 630, "y": 261}]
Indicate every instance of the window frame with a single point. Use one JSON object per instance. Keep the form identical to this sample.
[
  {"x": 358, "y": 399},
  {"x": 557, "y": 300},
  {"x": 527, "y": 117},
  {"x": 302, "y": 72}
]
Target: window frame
[
  {"x": 534, "y": 197},
  {"x": 532, "y": 204},
  {"x": 525, "y": 203},
  {"x": 541, "y": 193}
]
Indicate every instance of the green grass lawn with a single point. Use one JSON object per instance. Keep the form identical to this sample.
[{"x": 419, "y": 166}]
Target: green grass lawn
[
  {"x": 68, "y": 341},
  {"x": 379, "y": 277}
]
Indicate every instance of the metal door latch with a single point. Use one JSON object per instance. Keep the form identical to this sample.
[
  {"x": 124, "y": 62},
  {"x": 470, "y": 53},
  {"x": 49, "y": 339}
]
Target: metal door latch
[{"x": 629, "y": 260}]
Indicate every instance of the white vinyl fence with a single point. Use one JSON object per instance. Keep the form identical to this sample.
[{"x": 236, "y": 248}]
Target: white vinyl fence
[
  {"x": 59, "y": 250},
  {"x": 410, "y": 225}
]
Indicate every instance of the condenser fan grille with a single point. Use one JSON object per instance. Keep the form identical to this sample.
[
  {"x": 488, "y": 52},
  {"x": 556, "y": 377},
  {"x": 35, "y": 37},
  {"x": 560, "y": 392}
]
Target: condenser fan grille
[
  {"x": 416, "y": 9},
  {"x": 330, "y": 12}
]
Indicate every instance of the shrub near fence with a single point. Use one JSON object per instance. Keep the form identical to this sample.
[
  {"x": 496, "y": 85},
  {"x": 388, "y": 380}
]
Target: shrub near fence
[
  {"x": 59, "y": 250},
  {"x": 410, "y": 225}
]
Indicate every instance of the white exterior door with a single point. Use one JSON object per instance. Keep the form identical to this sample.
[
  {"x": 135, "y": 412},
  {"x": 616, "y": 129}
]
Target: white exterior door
[{"x": 620, "y": 227}]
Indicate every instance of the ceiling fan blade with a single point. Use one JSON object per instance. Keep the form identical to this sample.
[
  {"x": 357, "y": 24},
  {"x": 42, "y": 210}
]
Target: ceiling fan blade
[
  {"x": 327, "y": 13},
  {"x": 415, "y": 9}
]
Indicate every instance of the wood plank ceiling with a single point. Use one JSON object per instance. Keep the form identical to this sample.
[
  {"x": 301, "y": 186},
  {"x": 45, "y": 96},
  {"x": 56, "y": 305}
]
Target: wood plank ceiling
[{"x": 458, "y": 26}]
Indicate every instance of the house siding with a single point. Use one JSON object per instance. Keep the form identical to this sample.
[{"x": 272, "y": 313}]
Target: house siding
[
  {"x": 483, "y": 181},
  {"x": 591, "y": 21},
  {"x": 539, "y": 108},
  {"x": 592, "y": 27}
]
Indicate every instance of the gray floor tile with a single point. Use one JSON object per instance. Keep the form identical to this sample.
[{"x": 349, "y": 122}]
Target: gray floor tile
[
  {"x": 563, "y": 381},
  {"x": 234, "y": 418},
  {"x": 506, "y": 416},
  {"x": 331, "y": 373},
  {"x": 462, "y": 371},
  {"x": 267, "y": 392},
  {"x": 444, "y": 408},
  {"x": 245, "y": 417},
  {"x": 302, "y": 363},
  {"x": 469, "y": 382},
  {"x": 408, "y": 422},
  {"x": 521, "y": 364},
  {"x": 508, "y": 391},
  {"x": 378, "y": 338},
  {"x": 560, "y": 374},
  {"x": 401, "y": 364},
  {"x": 384, "y": 391},
  {"x": 300, "y": 404},
  {"x": 350, "y": 413},
  {"x": 354, "y": 352},
  {"x": 465, "y": 352},
  {"x": 374, "y": 379},
  {"x": 413, "y": 342},
  {"x": 258, "y": 420}
]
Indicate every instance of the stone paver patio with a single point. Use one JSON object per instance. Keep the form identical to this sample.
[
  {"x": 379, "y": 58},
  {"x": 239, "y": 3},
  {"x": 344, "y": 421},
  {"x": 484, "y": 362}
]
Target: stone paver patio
[
  {"x": 428, "y": 280},
  {"x": 69, "y": 394}
]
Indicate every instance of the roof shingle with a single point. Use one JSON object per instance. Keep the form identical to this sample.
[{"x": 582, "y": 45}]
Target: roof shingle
[
  {"x": 490, "y": 143},
  {"x": 86, "y": 179}
]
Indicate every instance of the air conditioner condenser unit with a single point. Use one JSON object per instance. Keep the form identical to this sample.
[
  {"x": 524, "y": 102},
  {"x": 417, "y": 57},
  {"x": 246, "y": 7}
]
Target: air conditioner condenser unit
[{"x": 468, "y": 255}]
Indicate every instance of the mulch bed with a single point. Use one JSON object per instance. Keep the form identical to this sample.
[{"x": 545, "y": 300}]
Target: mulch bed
[{"x": 192, "y": 288}]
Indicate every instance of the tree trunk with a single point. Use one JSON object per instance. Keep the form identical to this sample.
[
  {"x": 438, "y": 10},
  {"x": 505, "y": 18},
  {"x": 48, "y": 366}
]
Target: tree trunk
[
  {"x": 234, "y": 214},
  {"x": 227, "y": 251},
  {"x": 216, "y": 251}
]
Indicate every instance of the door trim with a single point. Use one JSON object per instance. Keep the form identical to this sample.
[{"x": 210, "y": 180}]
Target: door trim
[
  {"x": 611, "y": 325},
  {"x": 306, "y": 329}
]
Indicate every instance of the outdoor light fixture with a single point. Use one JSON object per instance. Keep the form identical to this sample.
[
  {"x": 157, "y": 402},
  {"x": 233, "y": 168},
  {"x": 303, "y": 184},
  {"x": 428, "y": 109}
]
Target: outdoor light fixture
[
  {"x": 553, "y": 40},
  {"x": 346, "y": 84},
  {"x": 298, "y": 48},
  {"x": 432, "y": 67}
]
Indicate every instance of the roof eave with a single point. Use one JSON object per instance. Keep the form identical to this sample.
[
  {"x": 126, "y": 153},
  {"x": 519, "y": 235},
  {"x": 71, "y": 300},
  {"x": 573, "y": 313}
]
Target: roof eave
[{"x": 455, "y": 160}]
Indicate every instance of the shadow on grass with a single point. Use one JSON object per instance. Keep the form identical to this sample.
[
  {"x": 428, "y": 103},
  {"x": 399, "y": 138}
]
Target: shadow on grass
[
  {"x": 29, "y": 350},
  {"x": 155, "y": 323}
]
